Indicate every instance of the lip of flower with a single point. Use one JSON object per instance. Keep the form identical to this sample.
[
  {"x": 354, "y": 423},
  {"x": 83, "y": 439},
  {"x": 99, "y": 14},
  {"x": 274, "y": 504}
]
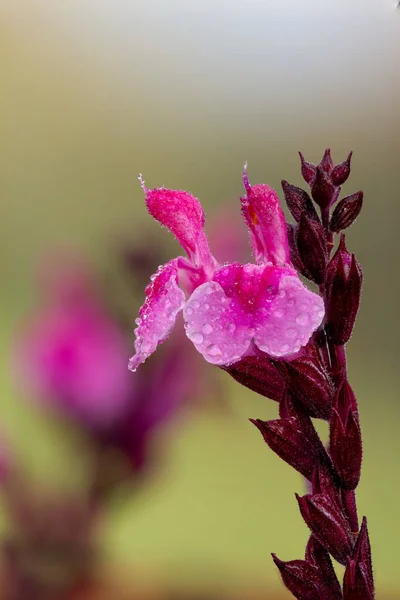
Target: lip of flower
[{"x": 232, "y": 309}]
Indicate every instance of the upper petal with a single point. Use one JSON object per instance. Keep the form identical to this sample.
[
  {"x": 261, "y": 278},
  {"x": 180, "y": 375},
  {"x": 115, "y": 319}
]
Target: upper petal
[
  {"x": 264, "y": 216},
  {"x": 157, "y": 316},
  {"x": 183, "y": 214}
]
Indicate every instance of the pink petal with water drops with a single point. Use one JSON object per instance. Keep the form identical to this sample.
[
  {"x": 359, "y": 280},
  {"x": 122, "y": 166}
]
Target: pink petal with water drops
[
  {"x": 183, "y": 214},
  {"x": 266, "y": 221},
  {"x": 219, "y": 332},
  {"x": 157, "y": 316},
  {"x": 249, "y": 302},
  {"x": 289, "y": 321}
]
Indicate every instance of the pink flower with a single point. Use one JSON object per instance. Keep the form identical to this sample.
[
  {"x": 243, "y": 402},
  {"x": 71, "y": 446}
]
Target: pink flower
[
  {"x": 72, "y": 355},
  {"x": 234, "y": 310}
]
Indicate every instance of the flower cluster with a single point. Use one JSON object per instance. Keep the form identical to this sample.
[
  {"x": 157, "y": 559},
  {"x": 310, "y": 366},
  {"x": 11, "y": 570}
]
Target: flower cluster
[{"x": 262, "y": 325}]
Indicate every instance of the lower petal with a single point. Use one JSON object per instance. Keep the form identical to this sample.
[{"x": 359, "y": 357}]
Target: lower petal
[
  {"x": 157, "y": 316},
  {"x": 220, "y": 332},
  {"x": 290, "y": 320}
]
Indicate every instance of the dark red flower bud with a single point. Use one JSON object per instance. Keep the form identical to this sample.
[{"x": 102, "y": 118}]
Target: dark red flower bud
[
  {"x": 309, "y": 382},
  {"x": 362, "y": 552},
  {"x": 311, "y": 243},
  {"x": 295, "y": 441},
  {"x": 298, "y": 202},
  {"x": 326, "y": 163},
  {"x": 308, "y": 170},
  {"x": 345, "y": 438},
  {"x": 355, "y": 582},
  {"x": 344, "y": 280},
  {"x": 328, "y": 524},
  {"x": 323, "y": 191},
  {"x": 301, "y": 578},
  {"x": 341, "y": 172},
  {"x": 346, "y": 212},
  {"x": 318, "y": 556},
  {"x": 259, "y": 374}
]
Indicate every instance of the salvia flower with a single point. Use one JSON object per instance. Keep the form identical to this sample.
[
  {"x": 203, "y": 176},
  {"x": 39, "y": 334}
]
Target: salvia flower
[
  {"x": 230, "y": 311},
  {"x": 72, "y": 354}
]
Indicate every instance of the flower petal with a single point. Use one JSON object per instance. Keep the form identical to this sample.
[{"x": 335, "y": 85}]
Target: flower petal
[
  {"x": 289, "y": 321},
  {"x": 264, "y": 216},
  {"x": 219, "y": 330},
  {"x": 157, "y": 316},
  {"x": 183, "y": 214}
]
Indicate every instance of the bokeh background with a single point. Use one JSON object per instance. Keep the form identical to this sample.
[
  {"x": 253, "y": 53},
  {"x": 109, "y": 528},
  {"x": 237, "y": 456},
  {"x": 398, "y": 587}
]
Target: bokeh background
[{"x": 185, "y": 91}]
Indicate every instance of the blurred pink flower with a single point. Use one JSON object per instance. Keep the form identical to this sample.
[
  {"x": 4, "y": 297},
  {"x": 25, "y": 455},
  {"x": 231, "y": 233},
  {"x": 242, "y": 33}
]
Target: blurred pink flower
[{"x": 72, "y": 355}]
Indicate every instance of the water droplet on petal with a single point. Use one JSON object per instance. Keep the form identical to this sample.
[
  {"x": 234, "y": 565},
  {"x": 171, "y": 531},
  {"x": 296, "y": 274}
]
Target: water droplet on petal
[
  {"x": 145, "y": 346},
  {"x": 231, "y": 327},
  {"x": 197, "y": 338},
  {"x": 291, "y": 333},
  {"x": 207, "y": 328},
  {"x": 206, "y": 306},
  {"x": 189, "y": 311},
  {"x": 213, "y": 350},
  {"x": 281, "y": 293},
  {"x": 209, "y": 290},
  {"x": 284, "y": 347},
  {"x": 302, "y": 319},
  {"x": 279, "y": 313},
  {"x": 321, "y": 313},
  {"x": 138, "y": 321}
]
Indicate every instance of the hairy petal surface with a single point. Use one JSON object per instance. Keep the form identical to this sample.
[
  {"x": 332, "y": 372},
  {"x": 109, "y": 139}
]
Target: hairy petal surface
[
  {"x": 246, "y": 303},
  {"x": 157, "y": 316},
  {"x": 183, "y": 214}
]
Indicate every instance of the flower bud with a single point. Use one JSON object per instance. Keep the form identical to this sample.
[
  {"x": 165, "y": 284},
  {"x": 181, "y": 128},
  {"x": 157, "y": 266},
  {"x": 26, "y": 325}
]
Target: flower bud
[
  {"x": 326, "y": 163},
  {"x": 346, "y": 212},
  {"x": 328, "y": 524},
  {"x": 345, "y": 438},
  {"x": 323, "y": 191},
  {"x": 308, "y": 170},
  {"x": 324, "y": 482},
  {"x": 318, "y": 556},
  {"x": 344, "y": 281},
  {"x": 310, "y": 383},
  {"x": 295, "y": 441},
  {"x": 298, "y": 202},
  {"x": 259, "y": 374},
  {"x": 341, "y": 172},
  {"x": 300, "y": 577},
  {"x": 356, "y": 585},
  {"x": 311, "y": 243},
  {"x": 362, "y": 551},
  {"x": 294, "y": 251}
]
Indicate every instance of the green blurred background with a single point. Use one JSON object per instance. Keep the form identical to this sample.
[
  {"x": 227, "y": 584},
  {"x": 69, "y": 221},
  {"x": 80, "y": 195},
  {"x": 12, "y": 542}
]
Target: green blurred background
[{"x": 94, "y": 92}]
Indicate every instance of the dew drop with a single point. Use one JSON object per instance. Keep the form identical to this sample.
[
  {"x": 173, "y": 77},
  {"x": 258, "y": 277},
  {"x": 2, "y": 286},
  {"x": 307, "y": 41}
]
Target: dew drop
[
  {"x": 290, "y": 302},
  {"x": 197, "y": 338},
  {"x": 213, "y": 350},
  {"x": 209, "y": 290},
  {"x": 291, "y": 333},
  {"x": 284, "y": 347},
  {"x": 281, "y": 293},
  {"x": 279, "y": 313},
  {"x": 206, "y": 306},
  {"x": 145, "y": 346},
  {"x": 207, "y": 328},
  {"x": 153, "y": 277},
  {"x": 321, "y": 313},
  {"x": 302, "y": 319},
  {"x": 138, "y": 321},
  {"x": 231, "y": 327},
  {"x": 196, "y": 304},
  {"x": 189, "y": 311}
]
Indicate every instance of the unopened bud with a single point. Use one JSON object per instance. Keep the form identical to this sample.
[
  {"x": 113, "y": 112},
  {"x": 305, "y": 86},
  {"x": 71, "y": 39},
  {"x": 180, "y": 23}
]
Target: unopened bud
[
  {"x": 300, "y": 577},
  {"x": 355, "y": 582},
  {"x": 312, "y": 247},
  {"x": 346, "y": 212},
  {"x": 308, "y": 170},
  {"x": 318, "y": 556},
  {"x": 328, "y": 524},
  {"x": 298, "y": 202},
  {"x": 341, "y": 172},
  {"x": 345, "y": 440},
  {"x": 326, "y": 163},
  {"x": 295, "y": 441},
  {"x": 323, "y": 191},
  {"x": 344, "y": 292}
]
